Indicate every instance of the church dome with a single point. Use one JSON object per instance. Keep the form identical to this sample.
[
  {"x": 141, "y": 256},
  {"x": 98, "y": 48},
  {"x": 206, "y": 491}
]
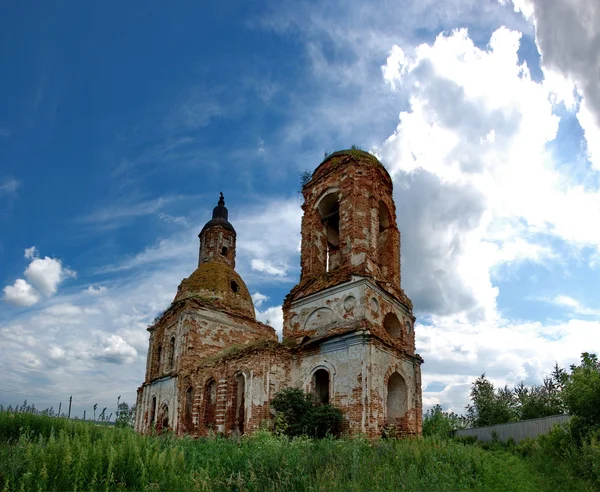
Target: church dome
[
  {"x": 218, "y": 285},
  {"x": 332, "y": 161}
]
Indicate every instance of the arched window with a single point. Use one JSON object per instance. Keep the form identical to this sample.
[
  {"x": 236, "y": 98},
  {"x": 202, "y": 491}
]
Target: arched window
[
  {"x": 392, "y": 326},
  {"x": 329, "y": 210},
  {"x": 397, "y": 404},
  {"x": 384, "y": 240},
  {"x": 165, "y": 418},
  {"x": 240, "y": 403},
  {"x": 321, "y": 382},
  {"x": 189, "y": 404},
  {"x": 210, "y": 405},
  {"x": 153, "y": 410},
  {"x": 158, "y": 357},
  {"x": 171, "y": 352}
]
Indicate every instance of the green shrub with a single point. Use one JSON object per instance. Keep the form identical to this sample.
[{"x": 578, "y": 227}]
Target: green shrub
[
  {"x": 436, "y": 422},
  {"x": 299, "y": 414}
]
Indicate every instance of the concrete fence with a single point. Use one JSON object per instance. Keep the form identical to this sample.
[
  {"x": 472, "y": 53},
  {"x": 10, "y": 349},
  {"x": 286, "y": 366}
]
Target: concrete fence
[{"x": 517, "y": 430}]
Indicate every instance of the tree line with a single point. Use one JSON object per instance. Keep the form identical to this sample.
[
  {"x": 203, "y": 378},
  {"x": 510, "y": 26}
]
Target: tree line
[{"x": 575, "y": 392}]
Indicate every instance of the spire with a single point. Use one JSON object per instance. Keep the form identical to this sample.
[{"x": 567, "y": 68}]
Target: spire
[
  {"x": 220, "y": 211},
  {"x": 220, "y": 216}
]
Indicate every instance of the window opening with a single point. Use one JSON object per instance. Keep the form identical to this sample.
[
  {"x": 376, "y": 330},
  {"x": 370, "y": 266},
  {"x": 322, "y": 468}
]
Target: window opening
[
  {"x": 329, "y": 210},
  {"x": 384, "y": 240},
  {"x": 189, "y": 402},
  {"x": 153, "y": 410},
  {"x": 224, "y": 250},
  {"x": 392, "y": 326},
  {"x": 158, "y": 357},
  {"x": 234, "y": 286},
  {"x": 171, "y": 352},
  {"x": 321, "y": 380}
]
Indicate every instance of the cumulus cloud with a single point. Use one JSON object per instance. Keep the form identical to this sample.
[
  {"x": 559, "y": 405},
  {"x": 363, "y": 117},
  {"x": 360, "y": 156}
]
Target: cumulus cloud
[
  {"x": 21, "y": 293},
  {"x": 258, "y": 299},
  {"x": 568, "y": 39},
  {"x": 115, "y": 350},
  {"x": 43, "y": 275},
  {"x": 46, "y": 273},
  {"x": 463, "y": 159}
]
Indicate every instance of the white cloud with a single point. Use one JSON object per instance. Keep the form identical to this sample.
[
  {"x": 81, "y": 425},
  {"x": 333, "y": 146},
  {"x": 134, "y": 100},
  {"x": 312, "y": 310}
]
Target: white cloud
[
  {"x": 116, "y": 350},
  {"x": 266, "y": 266},
  {"x": 46, "y": 273},
  {"x": 272, "y": 316},
  {"x": 574, "y": 306},
  {"x": 21, "y": 293},
  {"x": 258, "y": 299},
  {"x": 395, "y": 67},
  {"x": 31, "y": 253},
  {"x": 96, "y": 291},
  {"x": 464, "y": 157},
  {"x": 567, "y": 37}
]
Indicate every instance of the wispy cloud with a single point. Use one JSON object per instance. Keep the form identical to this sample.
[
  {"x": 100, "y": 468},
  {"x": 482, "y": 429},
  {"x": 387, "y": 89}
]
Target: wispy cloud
[{"x": 9, "y": 186}]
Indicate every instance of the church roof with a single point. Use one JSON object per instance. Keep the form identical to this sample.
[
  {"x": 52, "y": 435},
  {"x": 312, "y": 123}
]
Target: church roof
[
  {"x": 358, "y": 155},
  {"x": 218, "y": 285}
]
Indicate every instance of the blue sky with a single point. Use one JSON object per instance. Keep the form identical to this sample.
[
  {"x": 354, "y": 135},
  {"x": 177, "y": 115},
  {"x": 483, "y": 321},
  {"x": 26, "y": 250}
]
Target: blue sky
[{"x": 120, "y": 124}]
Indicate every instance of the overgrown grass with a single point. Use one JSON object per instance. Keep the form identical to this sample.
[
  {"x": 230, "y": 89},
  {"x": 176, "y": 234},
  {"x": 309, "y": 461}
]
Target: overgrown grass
[{"x": 43, "y": 453}]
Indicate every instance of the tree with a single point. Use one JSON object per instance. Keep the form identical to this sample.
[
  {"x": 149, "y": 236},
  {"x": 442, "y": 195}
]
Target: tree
[
  {"x": 300, "y": 414},
  {"x": 436, "y": 422},
  {"x": 487, "y": 407},
  {"x": 581, "y": 395},
  {"x": 125, "y": 415}
]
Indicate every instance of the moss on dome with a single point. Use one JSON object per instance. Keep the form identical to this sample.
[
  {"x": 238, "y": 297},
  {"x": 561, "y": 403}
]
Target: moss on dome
[
  {"x": 218, "y": 284},
  {"x": 339, "y": 158}
]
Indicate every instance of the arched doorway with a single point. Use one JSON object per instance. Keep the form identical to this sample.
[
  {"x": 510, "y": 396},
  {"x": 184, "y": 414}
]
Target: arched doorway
[
  {"x": 240, "y": 403},
  {"x": 397, "y": 401},
  {"x": 189, "y": 403},
  {"x": 210, "y": 405},
  {"x": 321, "y": 384},
  {"x": 164, "y": 418}
]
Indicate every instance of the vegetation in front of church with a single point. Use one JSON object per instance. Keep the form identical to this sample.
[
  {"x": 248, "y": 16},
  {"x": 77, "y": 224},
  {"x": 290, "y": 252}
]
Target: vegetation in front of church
[
  {"x": 300, "y": 414},
  {"x": 41, "y": 452},
  {"x": 46, "y": 453}
]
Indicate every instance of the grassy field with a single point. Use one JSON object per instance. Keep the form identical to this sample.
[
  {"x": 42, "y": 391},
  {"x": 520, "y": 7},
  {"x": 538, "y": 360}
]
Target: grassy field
[{"x": 44, "y": 453}]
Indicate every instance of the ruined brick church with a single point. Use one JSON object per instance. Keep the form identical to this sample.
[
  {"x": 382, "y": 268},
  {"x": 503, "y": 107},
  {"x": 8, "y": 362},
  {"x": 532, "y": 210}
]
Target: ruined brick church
[{"x": 348, "y": 329}]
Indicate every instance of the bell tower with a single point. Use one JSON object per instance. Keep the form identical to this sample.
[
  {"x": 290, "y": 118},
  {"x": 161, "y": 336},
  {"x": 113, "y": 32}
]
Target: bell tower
[
  {"x": 349, "y": 221},
  {"x": 217, "y": 237},
  {"x": 349, "y": 233},
  {"x": 348, "y": 316}
]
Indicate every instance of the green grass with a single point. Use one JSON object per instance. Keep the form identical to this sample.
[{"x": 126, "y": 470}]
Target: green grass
[{"x": 44, "y": 453}]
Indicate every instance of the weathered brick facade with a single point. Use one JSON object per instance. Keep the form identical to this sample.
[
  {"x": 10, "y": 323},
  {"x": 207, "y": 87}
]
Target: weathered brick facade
[{"x": 348, "y": 326}]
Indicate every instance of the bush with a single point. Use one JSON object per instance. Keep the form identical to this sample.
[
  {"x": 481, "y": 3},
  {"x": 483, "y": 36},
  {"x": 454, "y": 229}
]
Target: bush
[
  {"x": 299, "y": 414},
  {"x": 436, "y": 422}
]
